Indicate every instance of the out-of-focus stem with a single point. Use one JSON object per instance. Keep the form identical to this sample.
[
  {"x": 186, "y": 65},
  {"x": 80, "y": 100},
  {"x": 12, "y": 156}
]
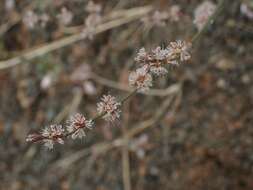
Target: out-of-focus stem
[{"x": 210, "y": 21}]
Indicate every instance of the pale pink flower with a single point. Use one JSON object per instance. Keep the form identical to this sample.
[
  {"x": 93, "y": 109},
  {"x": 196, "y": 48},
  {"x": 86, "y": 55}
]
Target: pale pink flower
[
  {"x": 109, "y": 108},
  {"x": 202, "y": 13},
  {"x": 77, "y": 124},
  {"x": 52, "y": 134},
  {"x": 65, "y": 17},
  {"x": 141, "y": 79}
]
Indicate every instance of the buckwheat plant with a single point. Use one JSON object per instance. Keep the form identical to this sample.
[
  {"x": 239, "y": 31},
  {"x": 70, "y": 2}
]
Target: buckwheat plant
[{"x": 150, "y": 65}]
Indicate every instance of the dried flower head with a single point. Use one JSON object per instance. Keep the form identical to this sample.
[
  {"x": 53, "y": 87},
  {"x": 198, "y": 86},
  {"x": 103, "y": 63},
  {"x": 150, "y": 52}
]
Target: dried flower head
[
  {"x": 141, "y": 79},
  {"x": 30, "y": 19},
  {"x": 202, "y": 13},
  {"x": 160, "y": 54},
  {"x": 109, "y": 108},
  {"x": 142, "y": 56},
  {"x": 77, "y": 124},
  {"x": 52, "y": 134},
  {"x": 179, "y": 52},
  {"x": 65, "y": 17}
]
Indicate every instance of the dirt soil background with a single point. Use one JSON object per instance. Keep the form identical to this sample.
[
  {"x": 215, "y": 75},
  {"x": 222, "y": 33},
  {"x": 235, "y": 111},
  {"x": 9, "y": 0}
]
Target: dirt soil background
[{"x": 204, "y": 141}]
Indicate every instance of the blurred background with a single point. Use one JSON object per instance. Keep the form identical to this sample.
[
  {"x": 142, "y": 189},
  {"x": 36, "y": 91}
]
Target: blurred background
[{"x": 58, "y": 57}]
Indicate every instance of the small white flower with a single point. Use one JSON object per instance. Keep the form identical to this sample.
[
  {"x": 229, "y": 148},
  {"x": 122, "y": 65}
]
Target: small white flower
[
  {"x": 156, "y": 18},
  {"x": 9, "y": 5},
  {"x": 140, "y": 79},
  {"x": 44, "y": 18},
  {"x": 48, "y": 143},
  {"x": 159, "y": 18},
  {"x": 52, "y": 134},
  {"x": 202, "y": 13},
  {"x": 30, "y": 19},
  {"x": 174, "y": 13},
  {"x": 77, "y": 124},
  {"x": 160, "y": 54},
  {"x": 179, "y": 50},
  {"x": 109, "y": 107},
  {"x": 93, "y": 7},
  {"x": 91, "y": 23},
  {"x": 65, "y": 17},
  {"x": 142, "y": 56},
  {"x": 246, "y": 10},
  {"x": 158, "y": 70}
]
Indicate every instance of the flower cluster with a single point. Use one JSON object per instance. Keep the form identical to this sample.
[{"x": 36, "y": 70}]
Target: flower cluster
[
  {"x": 56, "y": 133},
  {"x": 155, "y": 61},
  {"x": 109, "y": 108},
  {"x": 202, "y": 13},
  {"x": 152, "y": 63},
  {"x": 76, "y": 125}
]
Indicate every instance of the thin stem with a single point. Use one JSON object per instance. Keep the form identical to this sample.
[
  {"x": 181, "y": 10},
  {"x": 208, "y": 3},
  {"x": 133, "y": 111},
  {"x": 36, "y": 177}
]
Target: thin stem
[{"x": 128, "y": 96}]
